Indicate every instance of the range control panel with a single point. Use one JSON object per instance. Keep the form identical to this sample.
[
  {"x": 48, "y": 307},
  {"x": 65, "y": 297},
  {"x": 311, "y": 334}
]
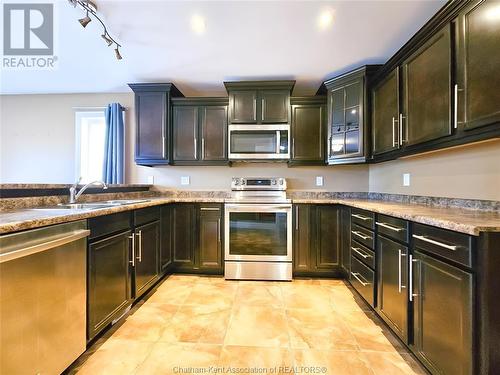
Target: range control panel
[{"x": 258, "y": 183}]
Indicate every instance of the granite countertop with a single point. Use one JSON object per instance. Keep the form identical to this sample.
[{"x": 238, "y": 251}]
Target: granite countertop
[{"x": 461, "y": 220}]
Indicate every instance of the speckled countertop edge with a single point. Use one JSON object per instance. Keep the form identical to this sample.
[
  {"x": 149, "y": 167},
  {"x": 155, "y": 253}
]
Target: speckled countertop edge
[{"x": 471, "y": 222}]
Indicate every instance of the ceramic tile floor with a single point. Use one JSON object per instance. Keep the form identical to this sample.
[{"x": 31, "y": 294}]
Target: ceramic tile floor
[{"x": 197, "y": 322}]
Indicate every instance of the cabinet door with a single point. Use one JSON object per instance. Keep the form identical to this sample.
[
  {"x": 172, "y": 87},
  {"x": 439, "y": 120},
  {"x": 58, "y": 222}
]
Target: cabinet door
[
  {"x": 302, "y": 238},
  {"x": 109, "y": 292},
  {"x": 185, "y": 126},
  {"x": 346, "y": 239},
  {"x": 243, "y": 106},
  {"x": 213, "y": 133},
  {"x": 427, "y": 86},
  {"x": 308, "y": 132},
  {"x": 392, "y": 283},
  {"x": 274, "y": 106},
  {"x": 151, "y": 141},
  {"x": 478, "y": 59},
  {"x": 442, "y": 315},
  {"x": 184, "y": 221},
  {"x": 385, "y": 113},
  {"x": 327, "y": 246},
  {"x": 210, "y": 237},
  {"x": 166, "y": 237},
  {"x": 146, "y": 256}
]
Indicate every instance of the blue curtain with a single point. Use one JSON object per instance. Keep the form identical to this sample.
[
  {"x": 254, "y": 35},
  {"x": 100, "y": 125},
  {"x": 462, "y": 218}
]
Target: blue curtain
[{"x": 114, "y": 145}]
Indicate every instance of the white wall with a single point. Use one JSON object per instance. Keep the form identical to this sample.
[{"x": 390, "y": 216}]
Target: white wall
[
  {"x": 38, "y": 146},
  {"x": 470, "y": 172}
]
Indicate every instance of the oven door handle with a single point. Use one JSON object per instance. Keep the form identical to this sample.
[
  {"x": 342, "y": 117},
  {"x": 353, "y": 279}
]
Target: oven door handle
[{"x": 257, "y": 208}]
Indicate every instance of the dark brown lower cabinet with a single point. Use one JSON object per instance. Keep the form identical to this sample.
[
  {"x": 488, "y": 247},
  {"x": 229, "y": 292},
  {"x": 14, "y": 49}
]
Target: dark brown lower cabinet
[
  {"x": 147, "y": 249},
  {"x": 184, "y": 237},
  {"x": 210, "y": 237},
  {"x": 442, "y": 315},
  {"x": 198, "y": 238},
  {"x": 317, "y": 240},
  {"x": 109, "y": 281},
  {"x": 392, "y": 303},
  {"x": 166, "y": 237}
]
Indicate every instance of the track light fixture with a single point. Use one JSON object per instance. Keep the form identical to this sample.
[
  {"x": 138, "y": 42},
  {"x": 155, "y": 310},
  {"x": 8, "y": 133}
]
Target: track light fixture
[{"x": 91, "y": 8}]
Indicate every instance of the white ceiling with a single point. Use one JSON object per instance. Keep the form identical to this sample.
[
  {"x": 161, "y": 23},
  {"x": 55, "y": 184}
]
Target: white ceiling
[{"x": 242, "y": 40}]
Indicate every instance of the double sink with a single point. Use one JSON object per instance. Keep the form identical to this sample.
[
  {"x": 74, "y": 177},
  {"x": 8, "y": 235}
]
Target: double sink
[{"x": 92, "y": 205}]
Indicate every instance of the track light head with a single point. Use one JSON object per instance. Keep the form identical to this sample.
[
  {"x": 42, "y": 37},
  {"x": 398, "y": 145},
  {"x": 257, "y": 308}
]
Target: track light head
[
  {"x": 85, "y": 20},
  {"x": 73, "y": 2},
  {"x": 107, "y": 39},
  {"x": 117, "y": 53}
]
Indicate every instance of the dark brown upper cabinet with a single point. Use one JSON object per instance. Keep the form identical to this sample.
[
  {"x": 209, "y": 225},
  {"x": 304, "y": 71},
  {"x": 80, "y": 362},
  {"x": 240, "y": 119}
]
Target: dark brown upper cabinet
[
  {"x": 199, "y": 131},
  {"x": 308, "y": 130},
  {"x": 259, "y": 102},
  {"x": 348, "y": 116},
  {"x": 385, "y": 114},
  {"x": 478, "y": 65},
  {"x": 427, "y": 85},
  {"x": 152, "y": 119}
]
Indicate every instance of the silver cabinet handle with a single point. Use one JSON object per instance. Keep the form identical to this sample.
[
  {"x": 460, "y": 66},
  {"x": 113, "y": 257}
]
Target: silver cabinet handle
[
  {"x": 455, "y": 107},
  {"x": 395, "y": 229},
  {"x": 358, "y": 251},
  {"x": 434, "y": 242},
  {"x": 278, "y": 141},
  {"x": 195, "y": 148},
  {"x": 139, "y": 235},
  {"x": 296, "y": 217},
  {"x": 209, "y": 209},
  {"x": 293, "y": 147},
  {"x": 401, "y": 133},
  {"x": 394, "y": 140},
  {"x": 400, "y": 282},
  {"x": 360, "y": 235},
  {"x": 357, "y": 277},
  {"x": 202, "y": 148},
  {"x": 410, "y": 281},
  {"x": 163, "y": 151},
  {"x": 262, "y": 104},
  {"x": 218, "y": 230},
  {"x": 364, "y": 218},
  {"x": 132, "y": 237}
]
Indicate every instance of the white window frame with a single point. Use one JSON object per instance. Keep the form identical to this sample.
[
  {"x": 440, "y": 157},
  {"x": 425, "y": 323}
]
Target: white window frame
[{"x": 79, "y": 113}]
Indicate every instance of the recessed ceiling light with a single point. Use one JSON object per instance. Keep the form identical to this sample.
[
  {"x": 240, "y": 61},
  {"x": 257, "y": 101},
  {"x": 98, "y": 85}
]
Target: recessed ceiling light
[
  {"x": 493, "y": 13},
  {"x": 198, "y": 24},
  {"x": 325, "y": 19}
]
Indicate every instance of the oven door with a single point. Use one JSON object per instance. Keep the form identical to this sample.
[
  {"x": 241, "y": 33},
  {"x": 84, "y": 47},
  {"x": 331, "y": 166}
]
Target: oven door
[
  {"x": 247, "y": 142},
  {"x": 258, "y": 232}
]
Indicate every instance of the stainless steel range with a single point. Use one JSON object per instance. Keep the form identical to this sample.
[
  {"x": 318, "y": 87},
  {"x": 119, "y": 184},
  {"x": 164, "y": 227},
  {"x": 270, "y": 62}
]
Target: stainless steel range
[{"x": 258, "y": 230}]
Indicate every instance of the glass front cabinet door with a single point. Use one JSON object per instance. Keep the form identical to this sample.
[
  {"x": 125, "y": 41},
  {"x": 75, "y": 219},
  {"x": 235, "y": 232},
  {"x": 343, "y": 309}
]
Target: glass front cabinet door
[{"x": 347, "y": 116}]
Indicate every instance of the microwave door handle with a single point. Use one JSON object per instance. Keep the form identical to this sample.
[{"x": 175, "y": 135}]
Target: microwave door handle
[{"x": 278, "y": 141}]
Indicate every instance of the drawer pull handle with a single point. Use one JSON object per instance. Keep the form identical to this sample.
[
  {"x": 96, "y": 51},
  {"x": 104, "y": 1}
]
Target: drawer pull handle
[
  {"x": 360, "y": 235},
  {"x": 364, "y": 218},
  {"x": 434, "y": 242},
  {"x": 395, "y": 229},
  {"x": 209, "y": 209},
  {"x": 357, "y": 276},
  {"x": 358, "y": 251}
]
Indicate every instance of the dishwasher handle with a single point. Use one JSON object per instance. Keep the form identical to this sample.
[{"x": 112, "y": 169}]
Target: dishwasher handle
[{"x": 16, "y": 254}]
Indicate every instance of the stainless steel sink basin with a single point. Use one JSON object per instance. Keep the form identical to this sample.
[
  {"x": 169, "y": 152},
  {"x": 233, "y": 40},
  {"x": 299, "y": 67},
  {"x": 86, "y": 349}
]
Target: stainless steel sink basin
[{"x": 92, "y": 205}]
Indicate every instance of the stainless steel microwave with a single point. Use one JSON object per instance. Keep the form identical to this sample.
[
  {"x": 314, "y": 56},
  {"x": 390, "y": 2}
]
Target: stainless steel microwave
[{"x": 253, "y": 142}]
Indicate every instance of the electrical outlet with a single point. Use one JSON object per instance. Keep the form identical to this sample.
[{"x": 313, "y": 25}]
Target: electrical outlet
[
  {"x": 185, "y": 180},
  {"x": 319, "y": 180},
  {"x": 406, "y": 179},
  {"x": 151, "y": 180}
]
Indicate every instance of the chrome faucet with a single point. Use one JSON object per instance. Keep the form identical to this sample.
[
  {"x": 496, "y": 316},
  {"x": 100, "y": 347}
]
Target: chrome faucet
[{"x": 73, "y": 195}]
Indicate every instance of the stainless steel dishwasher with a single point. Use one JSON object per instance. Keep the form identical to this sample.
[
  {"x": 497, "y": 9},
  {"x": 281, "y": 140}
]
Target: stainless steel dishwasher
[{"x": 42, "y": 298}]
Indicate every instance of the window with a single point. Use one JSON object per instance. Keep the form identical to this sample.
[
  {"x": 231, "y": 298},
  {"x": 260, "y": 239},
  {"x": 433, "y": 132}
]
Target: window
[{"x": 90, "y": 138}]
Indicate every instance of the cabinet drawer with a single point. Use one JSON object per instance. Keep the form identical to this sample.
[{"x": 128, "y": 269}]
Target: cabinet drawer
[
  {"x": 146, "y": 215},
  {"x": 363, "y": 236},
  {"x": 103, "y": 225},
  {"x": 392, "y": 227},
  {"x": 362, "y": 279},
  {"x": 363, "y": 254},
  {"x": 454, "y": 246},
  {"x": 363, "y": 218}
]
